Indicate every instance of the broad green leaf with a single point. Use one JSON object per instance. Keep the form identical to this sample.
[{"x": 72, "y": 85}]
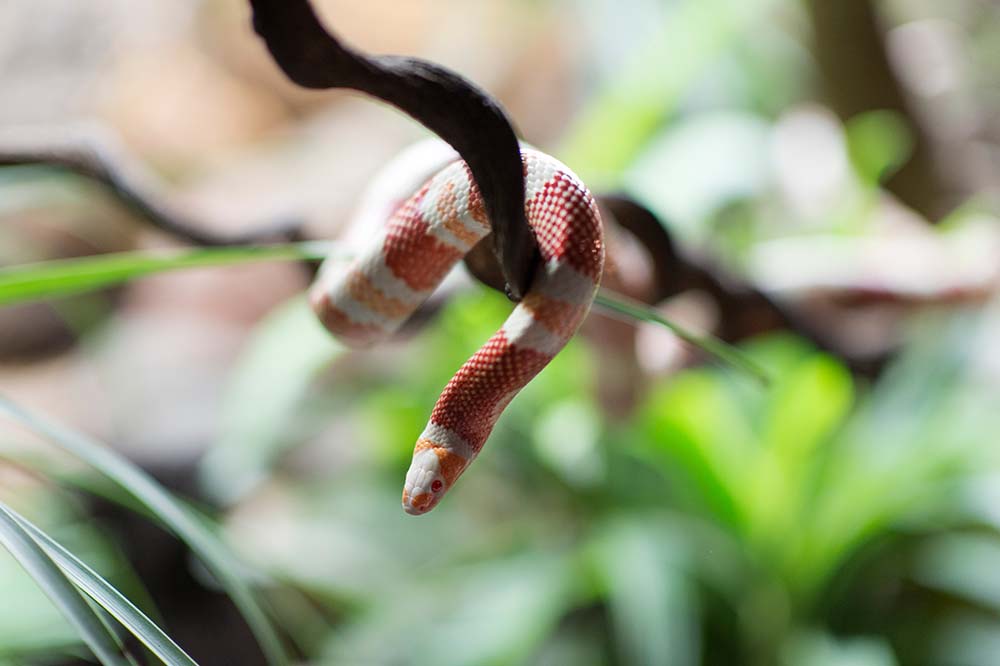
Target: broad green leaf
[
  {"x": 806, "y": 405},
  {"x": 271, "y": 378},
  {"x": 60, "y": 590},
  {"x": 168, "y": 510},
  {"x": 65, "y": 277},
  {"x": 109, "y": 598},
  {"x": 696, "y": 421},
  {"x": 649, "y": 593}
]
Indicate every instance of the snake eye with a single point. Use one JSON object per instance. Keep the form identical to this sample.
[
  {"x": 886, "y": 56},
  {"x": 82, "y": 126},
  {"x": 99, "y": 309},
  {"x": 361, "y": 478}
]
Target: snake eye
[{"x": 437, "y": 485}]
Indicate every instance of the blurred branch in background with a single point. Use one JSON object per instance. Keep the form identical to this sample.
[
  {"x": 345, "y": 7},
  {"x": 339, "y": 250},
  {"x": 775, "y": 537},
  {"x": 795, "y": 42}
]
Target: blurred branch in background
[
  {"x": 858, "y": 76},
  {"x": 97, "y": 154},
  {"x": 744, "y": 310}
]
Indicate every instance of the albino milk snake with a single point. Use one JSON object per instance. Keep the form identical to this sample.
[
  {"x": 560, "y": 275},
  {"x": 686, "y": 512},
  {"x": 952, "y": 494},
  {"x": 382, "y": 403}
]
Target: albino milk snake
[{"x": 367, "y": 300}]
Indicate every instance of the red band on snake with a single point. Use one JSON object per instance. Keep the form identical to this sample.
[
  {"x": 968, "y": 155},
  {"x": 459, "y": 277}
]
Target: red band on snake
[{"x": 424, "y": 238}]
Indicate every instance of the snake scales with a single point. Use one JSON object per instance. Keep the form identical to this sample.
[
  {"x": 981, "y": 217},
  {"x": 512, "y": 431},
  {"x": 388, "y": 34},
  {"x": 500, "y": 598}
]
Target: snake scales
[{"x": 367, "y": 300}]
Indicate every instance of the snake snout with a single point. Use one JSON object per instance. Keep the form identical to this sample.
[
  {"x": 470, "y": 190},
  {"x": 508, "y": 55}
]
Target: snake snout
[
  {"x": 424, "y": 486},
  {"x": 418, "y": 504}
]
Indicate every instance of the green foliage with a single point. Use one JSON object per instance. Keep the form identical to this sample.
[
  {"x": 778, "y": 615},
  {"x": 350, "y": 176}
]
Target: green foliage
[
  {"x": 270, "y": 380},
  {"x": 879, "y": 143},
  {"x": 178, "y": 519},
  {"x": 104, "y": 594},
  {"x": 91, "y": 627},
  {"x": 66, "y": 277}
]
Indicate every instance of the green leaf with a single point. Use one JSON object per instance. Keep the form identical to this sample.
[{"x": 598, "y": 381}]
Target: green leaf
[
  {"x": 806, "y": 405},
  {"x": 169, "y": 511},
  {"x": 649, "y": 593},
  {"x": 272, "y": 376},
  {"x": 698, "y": 423},
  {"x": 65, "y": 277},
  {"x": 59, "y": 589},
  {"x": 879, "y": 143},
  {"x": 108, "y": 598}
]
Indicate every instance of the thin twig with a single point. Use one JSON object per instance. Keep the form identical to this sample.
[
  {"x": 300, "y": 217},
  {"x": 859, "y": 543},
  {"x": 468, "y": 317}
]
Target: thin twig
[
  {"x": 744, "y": 310},
  {"x": 97, "y": 155}
]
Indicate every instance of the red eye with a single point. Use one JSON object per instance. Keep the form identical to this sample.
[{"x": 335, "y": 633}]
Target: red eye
[{"x": 437, "y": 485}]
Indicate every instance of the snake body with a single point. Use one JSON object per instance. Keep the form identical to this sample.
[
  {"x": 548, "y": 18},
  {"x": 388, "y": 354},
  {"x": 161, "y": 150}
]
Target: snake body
[{"x": 424, "y": 238}]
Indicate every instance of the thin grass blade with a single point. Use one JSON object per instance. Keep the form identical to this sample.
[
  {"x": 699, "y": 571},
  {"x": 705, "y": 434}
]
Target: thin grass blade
[
  {"x": 66, "y": 277},
  {"x": 630, "y": 310},
  {"x": 174, "y": 516},
  {"x": 60, "y": 590},
  {"x": 109, "y": 598}
]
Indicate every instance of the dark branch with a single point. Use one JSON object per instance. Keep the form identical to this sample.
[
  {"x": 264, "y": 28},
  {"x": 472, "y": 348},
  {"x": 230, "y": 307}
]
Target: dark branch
[
  {"x": 99, "y": 158},
  {"x": 745, "y": 310},
  {"x": 449, "y": 105}
]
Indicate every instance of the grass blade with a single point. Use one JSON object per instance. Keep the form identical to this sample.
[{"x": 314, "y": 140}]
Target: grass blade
[
  {"x": 109, "y": 598},
  {"x": 66, "y": 277},
  {"x": 624, "y": 307},
  {"x": 170, "y": 512},
  {"x": 59, "y": 589},
  {"x": 63, "y": 277}
]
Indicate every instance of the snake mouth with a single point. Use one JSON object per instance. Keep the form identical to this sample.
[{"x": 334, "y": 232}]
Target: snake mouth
[{"x": 418, "y": 504}]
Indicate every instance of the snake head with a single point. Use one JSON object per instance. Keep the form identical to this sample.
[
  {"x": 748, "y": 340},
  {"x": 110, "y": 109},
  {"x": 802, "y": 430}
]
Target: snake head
[{"x": 425, "y": 483}]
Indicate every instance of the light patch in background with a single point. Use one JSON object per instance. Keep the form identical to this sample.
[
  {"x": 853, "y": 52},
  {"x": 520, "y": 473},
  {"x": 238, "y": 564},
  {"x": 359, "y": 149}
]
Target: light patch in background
[
  {"x": 927, "y": 55},
  {"x": 659, "y": 351},
  {"x": 810, "y": 160},
  {"x": 698, "y": 166},
  {"x": 567, "y": 439},
  {"x": 915, "y": 263}
]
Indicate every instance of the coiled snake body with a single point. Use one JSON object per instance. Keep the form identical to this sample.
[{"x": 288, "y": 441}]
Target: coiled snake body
[{"x": 423, "y": 239}]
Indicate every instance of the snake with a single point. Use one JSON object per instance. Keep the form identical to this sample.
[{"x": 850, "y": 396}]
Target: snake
[{"x": 364, "y": 301}]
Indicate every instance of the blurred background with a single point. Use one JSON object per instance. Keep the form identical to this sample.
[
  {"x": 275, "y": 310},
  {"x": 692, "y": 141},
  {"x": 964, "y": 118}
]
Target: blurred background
[{"x": 827, "y": 168}]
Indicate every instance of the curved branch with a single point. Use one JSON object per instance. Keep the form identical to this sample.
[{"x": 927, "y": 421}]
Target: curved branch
[
  {"x": 449, "y": 105},
  {"x": 96, "y": 155}
]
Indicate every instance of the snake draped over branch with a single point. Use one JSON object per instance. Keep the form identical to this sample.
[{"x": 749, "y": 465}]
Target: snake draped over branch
[{"x": 366, "y": 301}]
